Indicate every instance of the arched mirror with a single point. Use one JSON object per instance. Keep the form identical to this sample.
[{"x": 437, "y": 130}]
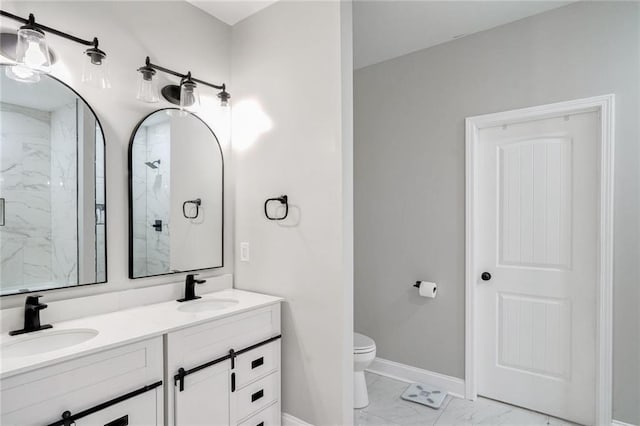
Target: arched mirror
[
  {"x": 176, "y": 173},
  {"x": 52, "y": 188}
]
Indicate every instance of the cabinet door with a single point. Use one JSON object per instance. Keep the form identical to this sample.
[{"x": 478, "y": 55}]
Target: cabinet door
[
  {"x": 144, "y": 409},
  {"x": 40, "y": 396},
  {"x": 205, "y": 398}
]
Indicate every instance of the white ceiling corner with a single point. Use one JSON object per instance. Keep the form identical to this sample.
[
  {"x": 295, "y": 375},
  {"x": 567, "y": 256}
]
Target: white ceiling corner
[{"x": 231, "y": 11}]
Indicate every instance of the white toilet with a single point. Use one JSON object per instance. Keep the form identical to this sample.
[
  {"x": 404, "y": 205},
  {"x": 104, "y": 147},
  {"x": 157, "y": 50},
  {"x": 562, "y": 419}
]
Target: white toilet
[{"x": 364, "y": 351}]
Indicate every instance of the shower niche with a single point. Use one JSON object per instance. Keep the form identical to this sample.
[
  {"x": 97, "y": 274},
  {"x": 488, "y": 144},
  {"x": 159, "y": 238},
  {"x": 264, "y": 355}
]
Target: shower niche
[{"x": 176, "y": 174}]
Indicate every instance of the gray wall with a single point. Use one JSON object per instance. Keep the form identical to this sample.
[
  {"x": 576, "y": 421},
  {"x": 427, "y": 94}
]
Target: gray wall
[{"x": 409, "y": 173}]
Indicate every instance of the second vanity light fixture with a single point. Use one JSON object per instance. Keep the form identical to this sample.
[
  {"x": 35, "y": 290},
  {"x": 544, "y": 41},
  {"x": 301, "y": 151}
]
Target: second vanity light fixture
[
  {"x": 33, "y": 56},
  {"x": 186, "y": 94}
]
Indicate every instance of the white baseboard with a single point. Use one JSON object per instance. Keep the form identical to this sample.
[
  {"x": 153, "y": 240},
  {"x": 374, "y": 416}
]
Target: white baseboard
[
  {"x": 289, "y": 420},
  {"x": 619, "y": 423},
  {"x": 453, "y": 385}
]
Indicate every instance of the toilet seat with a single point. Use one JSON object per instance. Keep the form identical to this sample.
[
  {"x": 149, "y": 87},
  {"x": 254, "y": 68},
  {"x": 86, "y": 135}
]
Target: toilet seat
[{"x": 363, "y": 344}]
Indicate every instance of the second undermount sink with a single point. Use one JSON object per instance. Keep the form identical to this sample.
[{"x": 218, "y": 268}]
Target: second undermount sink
[
  {"x": 207, "y": 305},
  {"x": 47, "y": 341}
]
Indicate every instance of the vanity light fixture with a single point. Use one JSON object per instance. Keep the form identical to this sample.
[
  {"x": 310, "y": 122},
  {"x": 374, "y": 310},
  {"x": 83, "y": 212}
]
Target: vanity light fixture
[
  {"x": 33, "y": 57},
  {"x": 186, "y": 94}
]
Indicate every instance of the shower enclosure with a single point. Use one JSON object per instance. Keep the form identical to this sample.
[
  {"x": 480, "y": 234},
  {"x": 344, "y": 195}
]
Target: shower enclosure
[{"x": 52, "y": 216}]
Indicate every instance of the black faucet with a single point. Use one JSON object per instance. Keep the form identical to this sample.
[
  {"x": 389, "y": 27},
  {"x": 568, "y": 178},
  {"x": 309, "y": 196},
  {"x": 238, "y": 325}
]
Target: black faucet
[
  {"x": 190, "y": 288},
  {"x": 32, "y": 308}
]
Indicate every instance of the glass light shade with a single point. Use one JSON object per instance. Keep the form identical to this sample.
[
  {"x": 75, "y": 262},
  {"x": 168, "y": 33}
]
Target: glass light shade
[
  {"x": 95, "y": 71},
  {"x": 22, "y": 74},
  {"x": 189, "y": 96},
  {"x": 224, "y": 98},
  {"x": 32, "y": 50},
  {"x": 147, "y": 88}
]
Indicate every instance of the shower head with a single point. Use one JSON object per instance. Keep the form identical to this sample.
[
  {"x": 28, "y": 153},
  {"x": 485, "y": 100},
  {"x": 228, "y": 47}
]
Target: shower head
[{"x": 152, "y": 164}]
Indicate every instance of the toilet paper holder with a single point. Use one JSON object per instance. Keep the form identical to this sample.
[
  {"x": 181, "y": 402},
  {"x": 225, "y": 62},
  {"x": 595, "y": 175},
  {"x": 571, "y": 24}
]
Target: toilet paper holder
[{"x": 427, "y": 289}]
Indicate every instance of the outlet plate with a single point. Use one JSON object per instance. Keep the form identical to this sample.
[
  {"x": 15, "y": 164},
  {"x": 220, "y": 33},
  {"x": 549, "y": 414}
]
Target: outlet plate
[{"x": 245, "y": 254}]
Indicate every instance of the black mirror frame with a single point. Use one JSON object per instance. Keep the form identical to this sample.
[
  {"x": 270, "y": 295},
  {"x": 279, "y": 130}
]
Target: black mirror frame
[
  {"x": 130, "y": 196},
  {"x": 106, "y": 215}
]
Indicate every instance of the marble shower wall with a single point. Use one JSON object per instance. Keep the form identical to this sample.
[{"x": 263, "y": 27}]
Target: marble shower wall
[
  {"x": 64, "y": 195},
  {"x": 25, "y": 166},
  {"x": 139, "y": 157},
  {"x": 38, "y": 179},
  {"x": 151, "y": 195}
]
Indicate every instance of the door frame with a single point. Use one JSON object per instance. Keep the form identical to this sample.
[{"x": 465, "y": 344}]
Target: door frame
[{"x": 605, "y": 106}]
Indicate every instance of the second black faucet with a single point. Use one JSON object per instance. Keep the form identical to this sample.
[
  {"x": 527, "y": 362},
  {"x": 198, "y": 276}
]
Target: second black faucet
[
  {"x": 32, "y": 308},
  {"x": 190, "y": 288}
]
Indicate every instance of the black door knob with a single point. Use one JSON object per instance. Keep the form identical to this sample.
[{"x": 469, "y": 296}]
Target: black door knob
[{"x": 485, "y": 276}]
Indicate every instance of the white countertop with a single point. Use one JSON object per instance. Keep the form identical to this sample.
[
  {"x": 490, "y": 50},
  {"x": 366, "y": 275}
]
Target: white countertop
[{"x": 127, "y": 326}]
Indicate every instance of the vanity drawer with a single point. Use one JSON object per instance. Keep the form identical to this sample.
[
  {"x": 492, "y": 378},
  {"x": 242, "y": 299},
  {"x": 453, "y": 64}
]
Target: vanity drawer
[
  {"x": 42, "y": 395},
  {"x": 145, "y": 409},
  {"x": 270, "y": 416},
  {"x": 257, "y": 363},
  {"x": 196, "y": 345},
  {"x": 257, "y": 395}
]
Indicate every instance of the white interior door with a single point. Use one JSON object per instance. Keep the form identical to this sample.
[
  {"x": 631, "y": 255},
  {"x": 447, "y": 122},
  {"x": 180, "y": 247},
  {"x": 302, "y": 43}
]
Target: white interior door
[{"x": 537, "y": 198}]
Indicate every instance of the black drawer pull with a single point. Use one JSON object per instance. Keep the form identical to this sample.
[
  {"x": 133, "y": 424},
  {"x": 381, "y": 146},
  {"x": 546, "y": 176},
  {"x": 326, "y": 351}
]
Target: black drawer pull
[
  {"x": 257, "y": 362},
  {"x": 260, "y": 424},
  {"x": 256, "y": 396},
  {"x": 122, "y": 421}
]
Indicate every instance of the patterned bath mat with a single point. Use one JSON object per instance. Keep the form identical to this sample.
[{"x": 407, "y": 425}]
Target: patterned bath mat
[{"x": 425, "y": 395}]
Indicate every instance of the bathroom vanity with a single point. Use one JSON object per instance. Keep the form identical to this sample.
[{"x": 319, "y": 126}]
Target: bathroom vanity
[{"x": 215, "y": 360}]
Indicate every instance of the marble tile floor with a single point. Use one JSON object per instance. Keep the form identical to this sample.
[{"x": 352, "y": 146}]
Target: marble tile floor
[{"x": 388, "y": 409}]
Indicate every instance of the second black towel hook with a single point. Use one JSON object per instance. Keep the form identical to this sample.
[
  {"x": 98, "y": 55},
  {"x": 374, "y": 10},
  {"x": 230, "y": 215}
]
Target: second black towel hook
[{"x": 283, "y": 199}]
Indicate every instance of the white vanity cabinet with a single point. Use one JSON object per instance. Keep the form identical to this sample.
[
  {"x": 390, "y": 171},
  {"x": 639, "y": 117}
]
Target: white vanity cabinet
[
  {"x": 115, "y": 387},
  {"x": 225, "y": 371}
]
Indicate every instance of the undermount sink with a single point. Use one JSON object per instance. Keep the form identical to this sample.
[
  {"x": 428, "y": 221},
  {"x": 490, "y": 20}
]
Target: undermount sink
[
  {"x": 207, "y": 305},
  {"x": 47, "y": 341}
]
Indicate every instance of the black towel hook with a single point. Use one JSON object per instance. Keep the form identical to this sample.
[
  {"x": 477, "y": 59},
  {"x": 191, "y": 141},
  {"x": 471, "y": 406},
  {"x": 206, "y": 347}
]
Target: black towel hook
[{"x": 283, "y": 199}]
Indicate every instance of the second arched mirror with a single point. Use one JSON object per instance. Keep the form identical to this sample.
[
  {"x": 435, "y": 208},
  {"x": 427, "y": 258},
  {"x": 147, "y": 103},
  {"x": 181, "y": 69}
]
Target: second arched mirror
[{"x": 176, "y": 173}]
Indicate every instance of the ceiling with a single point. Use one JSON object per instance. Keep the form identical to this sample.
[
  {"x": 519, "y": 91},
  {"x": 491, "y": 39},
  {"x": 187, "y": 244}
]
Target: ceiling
[
  {"x": 384, "y": 30},
  {"x": 231, "y": 11}
]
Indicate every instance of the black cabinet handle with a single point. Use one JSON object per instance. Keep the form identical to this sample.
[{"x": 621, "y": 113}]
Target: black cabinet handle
[
  {"x": 485, "y": 276},
  {"x": 233, "y": 382},
  {"x": 257, "y": 362},
  {"x": 260, "y": 424},
  {"x": 122, "y": 421},
  {"x": 256, "y": 396}
]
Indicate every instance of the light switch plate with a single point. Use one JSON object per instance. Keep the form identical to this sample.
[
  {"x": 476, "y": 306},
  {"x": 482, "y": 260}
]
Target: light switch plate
[{"x": 244, "y": 252}]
